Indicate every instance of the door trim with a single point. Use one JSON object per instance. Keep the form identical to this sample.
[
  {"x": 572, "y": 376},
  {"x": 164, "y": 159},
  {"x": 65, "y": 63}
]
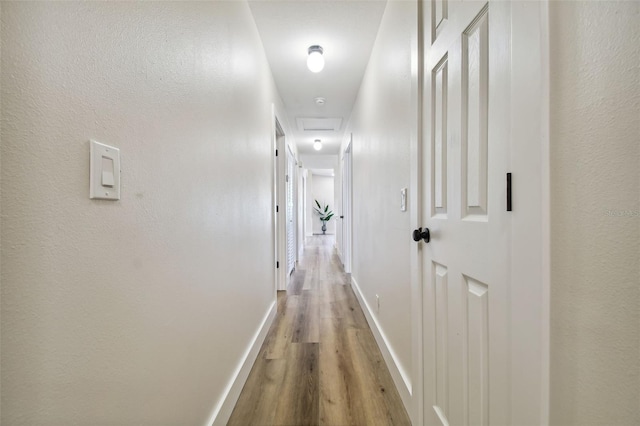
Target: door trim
[{"x": 531, "y": 199}]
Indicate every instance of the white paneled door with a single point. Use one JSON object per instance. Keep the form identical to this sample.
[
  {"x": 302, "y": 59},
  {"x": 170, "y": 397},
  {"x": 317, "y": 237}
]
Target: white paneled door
[
  {"x": 346, "y": 208},
  {"x": 290, "y": 212},
  {"x": 466, "y": 264}
]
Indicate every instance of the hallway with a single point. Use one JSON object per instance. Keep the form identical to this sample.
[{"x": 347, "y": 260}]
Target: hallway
[
  {"x": 159, "y": 164},
  {"x": 320, "y": 363}
]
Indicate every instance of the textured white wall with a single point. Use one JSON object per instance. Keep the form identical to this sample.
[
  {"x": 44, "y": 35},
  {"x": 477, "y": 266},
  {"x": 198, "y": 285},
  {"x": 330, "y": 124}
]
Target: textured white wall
[
  {"x": 323, "y": 191},
  {"x": 595, "y": 213},
  {"x": 319, "y": 161},
  {"x": 0, "y": 220},
  {"x": 381, "y": 130},
  {"x": 136, "y": 311}
]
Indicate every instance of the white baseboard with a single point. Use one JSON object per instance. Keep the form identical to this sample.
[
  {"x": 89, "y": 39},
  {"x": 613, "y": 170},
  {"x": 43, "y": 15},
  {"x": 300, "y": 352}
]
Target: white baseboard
[
  {"x": 400, "y": 377},
  {"x": 224, "y": 408}
]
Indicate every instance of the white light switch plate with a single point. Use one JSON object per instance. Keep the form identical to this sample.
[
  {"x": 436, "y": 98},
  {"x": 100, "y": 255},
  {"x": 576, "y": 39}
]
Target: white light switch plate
[
  {"x": 104, "y": 172},
  {"x": 403, "y": 199}
]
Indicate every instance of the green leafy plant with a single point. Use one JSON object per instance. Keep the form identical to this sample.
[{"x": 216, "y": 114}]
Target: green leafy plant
[{"x": 324, "y": 212}]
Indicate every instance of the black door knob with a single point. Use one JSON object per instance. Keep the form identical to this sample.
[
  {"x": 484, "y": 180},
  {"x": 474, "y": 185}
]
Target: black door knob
[{"x": 420, "y": 234}]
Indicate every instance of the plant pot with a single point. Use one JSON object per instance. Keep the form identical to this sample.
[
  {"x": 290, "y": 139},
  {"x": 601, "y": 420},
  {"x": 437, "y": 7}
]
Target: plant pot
[{"x": 324, "y": 228}]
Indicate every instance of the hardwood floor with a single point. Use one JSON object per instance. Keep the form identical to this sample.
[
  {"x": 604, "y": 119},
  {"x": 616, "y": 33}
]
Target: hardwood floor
[{"x": 319, "y": 364}]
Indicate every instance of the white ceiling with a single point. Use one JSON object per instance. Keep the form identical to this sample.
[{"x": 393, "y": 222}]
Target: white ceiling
[{"x": 346, "y": 30}]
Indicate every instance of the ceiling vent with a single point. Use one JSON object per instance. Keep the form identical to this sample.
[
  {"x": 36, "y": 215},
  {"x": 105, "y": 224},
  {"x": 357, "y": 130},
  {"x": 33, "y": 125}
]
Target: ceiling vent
[{"x": 319, "y": 124}]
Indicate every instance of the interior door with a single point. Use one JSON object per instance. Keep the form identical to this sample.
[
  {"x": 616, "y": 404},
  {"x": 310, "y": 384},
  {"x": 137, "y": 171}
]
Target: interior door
[
  {"x": 346, "y": 208},
  {"x": 290, "y": 212},
  {"x": 465, "y": 264}
]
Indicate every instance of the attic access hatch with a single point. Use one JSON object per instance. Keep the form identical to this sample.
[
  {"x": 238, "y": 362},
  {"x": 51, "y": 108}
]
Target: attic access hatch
[{"x": 319, "y": 124}]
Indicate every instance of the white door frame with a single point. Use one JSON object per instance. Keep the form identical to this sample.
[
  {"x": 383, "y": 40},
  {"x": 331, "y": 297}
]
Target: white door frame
[
  {"x": 529, "y": 128},
  {"x": 530, "y": 276}
]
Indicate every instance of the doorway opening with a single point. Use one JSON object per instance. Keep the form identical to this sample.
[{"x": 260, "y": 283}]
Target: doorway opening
[
  {"x": 285, "y": 207},
  {"x": 279, "y": 200}
]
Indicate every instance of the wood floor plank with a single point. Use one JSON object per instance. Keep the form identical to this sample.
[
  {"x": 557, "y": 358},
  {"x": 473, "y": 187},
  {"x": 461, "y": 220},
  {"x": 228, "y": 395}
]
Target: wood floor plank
[
  {"x": 339, "y": 399},
  {"x": 320, "y": 364},
  {"x": 307, "y": 327},
  {"x": 350, "y": 307},
  {"x": 259, "y": 397},
  {"x": 383, "y": 405},
  {"x": 281, "y": 333},
  {"x": 298, "y": 403},
  {"x": 297, "y": 282}
]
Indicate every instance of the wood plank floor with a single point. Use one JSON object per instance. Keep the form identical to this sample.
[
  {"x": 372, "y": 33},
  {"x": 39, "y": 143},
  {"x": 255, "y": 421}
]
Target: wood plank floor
[{"x": 319, "y": 364}]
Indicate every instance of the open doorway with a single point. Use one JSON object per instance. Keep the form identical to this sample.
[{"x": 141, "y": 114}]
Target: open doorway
[
  {"x": 279, "y": 200},
  {"x": 322, "y": 187},
  {"x": 285, "y": 207}
]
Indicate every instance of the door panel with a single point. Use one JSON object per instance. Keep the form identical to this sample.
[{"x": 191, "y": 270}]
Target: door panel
[
  {"x": 439, "y": 16},
  {"x": 439, "y": 139},
  {"x": 474, "y": 117},
  {"x": 442, "y": 339},
  {"x": 477, "y": 373}
]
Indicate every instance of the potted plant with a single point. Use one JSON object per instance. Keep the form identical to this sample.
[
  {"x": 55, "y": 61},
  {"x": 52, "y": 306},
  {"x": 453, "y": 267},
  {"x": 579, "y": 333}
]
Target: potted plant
[{"x": 325, "y": 215}]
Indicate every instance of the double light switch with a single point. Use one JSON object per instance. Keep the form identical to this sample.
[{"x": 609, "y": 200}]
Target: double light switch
[{"x": 104, "y": 172}]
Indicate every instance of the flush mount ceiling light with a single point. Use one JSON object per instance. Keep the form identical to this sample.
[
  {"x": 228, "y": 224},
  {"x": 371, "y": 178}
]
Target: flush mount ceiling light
[
  {"x": 315, "y": 60},
  {"x": 320, "y": 101},
  {"x": 317, "y": 145}
]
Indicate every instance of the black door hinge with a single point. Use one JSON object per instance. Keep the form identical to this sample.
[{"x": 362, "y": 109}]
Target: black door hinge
[
  {"x": 509, "y": 200},
  {"x": 276, "y": 152},
  {"x": 277, "y": 209},
  {"x": 277, "y": 265}
]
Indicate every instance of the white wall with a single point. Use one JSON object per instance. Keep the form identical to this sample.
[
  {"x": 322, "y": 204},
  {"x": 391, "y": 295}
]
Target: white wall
[
  {"x": 0, "y": 222},
  {"x": 134, "y": 312},
  {"x": 320, "y": 161},
  {"x": 323, "y": 191},
  {"x": 381, "y": 125},
  {"x": 595, "y": 213}
]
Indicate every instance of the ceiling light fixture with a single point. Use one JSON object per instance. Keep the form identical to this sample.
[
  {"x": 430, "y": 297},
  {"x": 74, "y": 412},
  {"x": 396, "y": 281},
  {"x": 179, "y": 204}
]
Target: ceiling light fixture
[
  {"x": 317, "y": 145},
  {"x": 320, "y": 101},
  {"x": 315, "y": 60}
]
